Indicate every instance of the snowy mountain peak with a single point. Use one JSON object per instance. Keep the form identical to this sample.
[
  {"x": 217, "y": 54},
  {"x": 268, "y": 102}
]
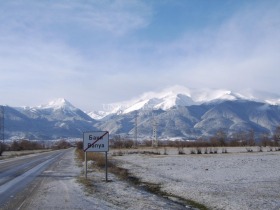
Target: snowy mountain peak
[
  {"x": 58, "y": 104},
  {"x": 175, "y": 96},
  {"x": 182, "y": 96},
  {"x": 169, "y": 97},
  {"x": 207, "y": 95}
]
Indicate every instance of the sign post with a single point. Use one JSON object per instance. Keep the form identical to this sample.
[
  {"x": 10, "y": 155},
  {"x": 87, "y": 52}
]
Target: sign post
[
  {"x": 96, "y": 141},
  {"x": 86, "y": 165}
]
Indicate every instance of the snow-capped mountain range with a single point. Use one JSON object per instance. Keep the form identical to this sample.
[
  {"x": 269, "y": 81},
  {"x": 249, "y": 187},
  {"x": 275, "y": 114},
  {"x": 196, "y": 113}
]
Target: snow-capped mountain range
[
  {"x": 179, "y": 112},
  {"x": 59, "y": 103},
  {"x": 180, "y": 96}
]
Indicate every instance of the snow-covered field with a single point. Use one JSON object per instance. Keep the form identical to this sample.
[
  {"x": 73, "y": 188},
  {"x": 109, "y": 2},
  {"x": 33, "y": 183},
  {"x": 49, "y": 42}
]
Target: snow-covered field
[{"x": 234, "y": 180}]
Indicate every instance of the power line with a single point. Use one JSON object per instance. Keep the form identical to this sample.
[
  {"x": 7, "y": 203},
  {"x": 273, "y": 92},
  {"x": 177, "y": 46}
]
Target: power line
[{"x": 2, "y": 125}]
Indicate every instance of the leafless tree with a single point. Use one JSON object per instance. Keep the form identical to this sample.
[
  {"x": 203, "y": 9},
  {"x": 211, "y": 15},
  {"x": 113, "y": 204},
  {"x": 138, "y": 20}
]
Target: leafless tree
[{"x": 2, "y": 148}]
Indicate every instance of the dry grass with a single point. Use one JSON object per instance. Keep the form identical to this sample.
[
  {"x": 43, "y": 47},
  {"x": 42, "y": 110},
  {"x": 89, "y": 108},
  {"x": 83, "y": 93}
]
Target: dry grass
[
  {"x": 99, "y": 161},
  {"x": 97, "y": 158},
  {"x": 88, "y": 184},
  {"x": 12, "y": 154}
]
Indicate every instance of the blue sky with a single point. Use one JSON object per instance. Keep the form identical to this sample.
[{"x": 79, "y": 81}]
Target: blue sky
[{"x": 95, "y": 52}]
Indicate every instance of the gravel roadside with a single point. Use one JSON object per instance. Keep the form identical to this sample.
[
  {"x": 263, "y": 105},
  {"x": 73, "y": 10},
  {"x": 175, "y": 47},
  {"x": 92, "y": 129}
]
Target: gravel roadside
[{"x": 60, "y": 189}]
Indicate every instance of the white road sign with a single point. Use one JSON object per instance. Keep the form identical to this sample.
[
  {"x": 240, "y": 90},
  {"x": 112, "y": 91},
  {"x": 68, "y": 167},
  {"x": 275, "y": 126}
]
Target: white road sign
[{"x": 96, "y": 141}]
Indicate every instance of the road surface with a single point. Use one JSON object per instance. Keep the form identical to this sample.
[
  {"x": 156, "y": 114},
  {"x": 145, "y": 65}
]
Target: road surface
[
  {"x": 51, "y": 181},
  {"x": 19, "y": 176}
]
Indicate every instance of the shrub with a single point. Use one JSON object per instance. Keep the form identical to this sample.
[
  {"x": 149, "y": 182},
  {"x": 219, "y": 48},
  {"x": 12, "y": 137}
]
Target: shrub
[
  {"x": 270, "y": 149},
  {"x": 249, "y": 150},
  {"x": 165, "y": 151},
  {"x": 79, "y": 145},
  {"x": 193, "y": 151},
  {"x": 25, "y": 145},
  {"x": 2, "y": 148},
  {"x": 62, "y": 144},
  {"x": 206, "y": 150},
  {"x": 181, "y": 151},
  {"x": 119, "y": 153},
  {"x": 215, "y": 150},
  {"x": 198, "y": 150}
]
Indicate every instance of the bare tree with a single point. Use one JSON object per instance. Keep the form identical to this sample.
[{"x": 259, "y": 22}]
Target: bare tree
[
  {"x": 265, "y": 141},
  {"x": 251, "y": 138},
  {"x": 2, "y": 148},
  {"x": 276, "y": 136}
]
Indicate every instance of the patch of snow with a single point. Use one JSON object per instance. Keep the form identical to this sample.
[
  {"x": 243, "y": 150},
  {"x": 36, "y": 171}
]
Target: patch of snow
[
  {"x": 207, "y": 95},
  {"x": 59, "y": 103},
  {"x": 97, "y": 115},
  {"x": 273, "y": 101},
  {"x": 219, "y": 181},
  {"x": 138, "y": 105}
]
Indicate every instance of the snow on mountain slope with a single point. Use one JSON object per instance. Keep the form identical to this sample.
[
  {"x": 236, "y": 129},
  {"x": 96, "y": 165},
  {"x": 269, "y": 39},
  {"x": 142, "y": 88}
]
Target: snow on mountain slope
[
  {"x": 59, "y": 109},
  {"x": 97, "y": 114},
  {"x": 273, "y": 101},
  {"x": 58, "y": 104},
  {"x": 191, "y": 117},
  {"x": 170, "y": 97},
  {"x": 182, "y": 96},
  {"x": 208, "y": 95},
  {"x": 57, "y": 119},
  {"x": 165, "y": 99}
]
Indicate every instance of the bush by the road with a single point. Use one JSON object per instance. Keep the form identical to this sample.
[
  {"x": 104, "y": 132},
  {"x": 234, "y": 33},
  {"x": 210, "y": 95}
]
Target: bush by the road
[
  {"x": 25, "y": 145},
  {"x": 62, "y": 144},
  {"x": 2, "y": 148}
]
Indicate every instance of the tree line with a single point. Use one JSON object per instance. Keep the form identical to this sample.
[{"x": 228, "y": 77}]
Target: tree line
[
  {"x": 219, "y": 139},
  {"x": 23, "y": 144}
]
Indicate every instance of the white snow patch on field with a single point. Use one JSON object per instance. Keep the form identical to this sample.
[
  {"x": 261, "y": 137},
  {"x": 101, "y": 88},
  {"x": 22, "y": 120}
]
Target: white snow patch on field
[{"x": 219, "y": 181}]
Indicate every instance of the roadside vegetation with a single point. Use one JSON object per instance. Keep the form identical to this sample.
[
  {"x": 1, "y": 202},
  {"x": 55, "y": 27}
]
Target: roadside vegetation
[
  {"x": 24, "y": 147},
  {"x": 218, "y": 143},
  {"x": 2, "y": 148},
  {"x": 97, "y": 161}
]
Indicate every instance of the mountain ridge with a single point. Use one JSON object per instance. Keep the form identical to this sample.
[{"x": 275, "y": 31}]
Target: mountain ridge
[
  {"x": 180, "y": 113},
  {"x": 178, "y": 96}
]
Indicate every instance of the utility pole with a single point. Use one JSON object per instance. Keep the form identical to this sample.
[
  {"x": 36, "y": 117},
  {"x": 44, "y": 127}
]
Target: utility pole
[
  {"x": 135, "y": 129},
  {"x": 2, "y": 129},
  {"x": 155, "y": 140}
]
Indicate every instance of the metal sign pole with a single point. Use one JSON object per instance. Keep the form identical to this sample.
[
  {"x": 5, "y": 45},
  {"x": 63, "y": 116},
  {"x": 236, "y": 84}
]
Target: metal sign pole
[
  {"x": 86, "y": 165},
  {"x": 106, "y": 166}
]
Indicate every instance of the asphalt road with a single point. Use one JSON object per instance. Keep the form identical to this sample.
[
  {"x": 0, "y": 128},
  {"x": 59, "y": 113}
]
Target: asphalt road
[{"x": 19, "y": 176}]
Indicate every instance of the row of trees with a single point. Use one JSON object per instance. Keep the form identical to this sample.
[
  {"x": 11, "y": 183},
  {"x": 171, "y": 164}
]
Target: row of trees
[
  {"x": 220, "y": 139},
  {"x": 20, "y": 145},
  {"x": 25, "y": 145}
]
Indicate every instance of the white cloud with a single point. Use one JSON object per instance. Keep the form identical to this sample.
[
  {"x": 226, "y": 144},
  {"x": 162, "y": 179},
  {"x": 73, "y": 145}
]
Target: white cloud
[
  {"x": 241, "y": 53},
  {"x": 116, "y": 17},
  {"x": 90, "y": 53}
]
